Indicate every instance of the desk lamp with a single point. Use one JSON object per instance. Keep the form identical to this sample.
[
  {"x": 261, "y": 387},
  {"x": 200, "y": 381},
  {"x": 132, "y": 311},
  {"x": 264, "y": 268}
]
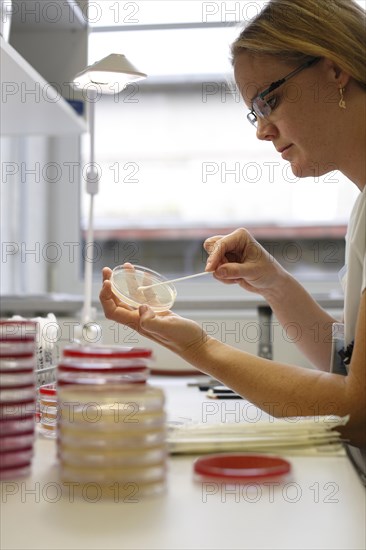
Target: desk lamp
[{"x": 110, "y": 75}]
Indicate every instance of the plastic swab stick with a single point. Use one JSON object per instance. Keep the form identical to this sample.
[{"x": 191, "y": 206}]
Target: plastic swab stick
[{"x": 174, "y": 280}]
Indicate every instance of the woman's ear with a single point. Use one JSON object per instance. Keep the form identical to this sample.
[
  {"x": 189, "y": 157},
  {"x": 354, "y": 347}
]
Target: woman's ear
[{"x": 336, "y": 74}]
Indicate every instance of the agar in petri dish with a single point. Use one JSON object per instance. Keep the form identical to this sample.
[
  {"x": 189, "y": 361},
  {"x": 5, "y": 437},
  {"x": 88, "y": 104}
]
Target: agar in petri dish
[{"x": 126, "y": 280}]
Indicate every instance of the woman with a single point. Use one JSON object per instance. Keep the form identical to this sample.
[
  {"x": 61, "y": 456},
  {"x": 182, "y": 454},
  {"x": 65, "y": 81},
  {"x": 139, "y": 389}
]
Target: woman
[{"x": 301, "y": 45}]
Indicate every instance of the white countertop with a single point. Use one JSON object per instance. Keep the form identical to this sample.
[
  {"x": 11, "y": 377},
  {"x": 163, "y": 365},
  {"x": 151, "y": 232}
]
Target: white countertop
[{"x": 322, "y": 505}]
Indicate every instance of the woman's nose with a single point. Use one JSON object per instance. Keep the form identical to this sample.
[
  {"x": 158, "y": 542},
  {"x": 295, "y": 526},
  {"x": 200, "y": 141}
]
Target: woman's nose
[{"x": 266, "y": 130}]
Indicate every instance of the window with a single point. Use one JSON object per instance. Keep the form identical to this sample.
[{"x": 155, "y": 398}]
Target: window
[{"x": 178, "y": 160}]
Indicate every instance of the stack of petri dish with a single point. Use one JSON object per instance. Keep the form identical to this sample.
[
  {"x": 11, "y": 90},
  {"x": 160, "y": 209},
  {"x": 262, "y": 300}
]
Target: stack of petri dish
[
  {"x": 17, "y": 397},
  {"x": 48, "y": 410},
  {"x": 112, "y": 437},
  {"x": 103, "y": 365}
]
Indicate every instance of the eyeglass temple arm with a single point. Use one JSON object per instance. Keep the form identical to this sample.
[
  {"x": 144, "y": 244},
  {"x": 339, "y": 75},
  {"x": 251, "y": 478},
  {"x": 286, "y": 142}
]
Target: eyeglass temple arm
[{"x": 279, "y": 83}]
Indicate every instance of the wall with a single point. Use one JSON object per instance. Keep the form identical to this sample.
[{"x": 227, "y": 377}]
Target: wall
[{"x": 238, "y": 329}]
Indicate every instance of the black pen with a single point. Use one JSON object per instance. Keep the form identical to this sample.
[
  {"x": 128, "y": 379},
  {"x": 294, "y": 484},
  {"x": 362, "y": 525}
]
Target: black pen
[
  {"x": 222, "y": 389},
  {"x": 227, "y": 395}
]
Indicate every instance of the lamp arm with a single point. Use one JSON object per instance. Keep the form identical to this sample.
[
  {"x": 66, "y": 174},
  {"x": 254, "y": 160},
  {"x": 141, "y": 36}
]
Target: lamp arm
[{"x": 92, "y": 188}]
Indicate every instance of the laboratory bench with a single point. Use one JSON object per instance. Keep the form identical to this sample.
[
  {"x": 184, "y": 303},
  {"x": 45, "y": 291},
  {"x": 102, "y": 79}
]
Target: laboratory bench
[{"x": 321, "y": 505}]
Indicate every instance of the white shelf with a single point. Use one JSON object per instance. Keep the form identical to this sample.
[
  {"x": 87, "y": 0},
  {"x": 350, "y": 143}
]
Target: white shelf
[{"x": 29, "y": 104}]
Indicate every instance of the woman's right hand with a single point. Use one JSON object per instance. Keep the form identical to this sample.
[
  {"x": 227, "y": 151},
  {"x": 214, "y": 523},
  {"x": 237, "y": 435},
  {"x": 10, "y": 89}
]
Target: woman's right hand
[{"x": 239, "y": 258}]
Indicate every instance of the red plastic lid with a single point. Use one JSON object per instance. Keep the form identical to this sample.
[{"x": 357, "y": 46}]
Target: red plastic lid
[
  {"x": 110, "y": 352},
  {"x": 28, "y": 449},
  {"x": 18, "y": 339},
  {"x": 15, "y": 469},
  {"x": 110, "y": 369},
  {"x": 18, "y": 357},
  {"x": 48, "y": 389},
  {"x": 241, "y": 466},
  {"x": 15, "y": 436},
  {"x": 15, "y": 372},
  {"x": 22, "y": 418},
  {"x": 17, "y": 387}
]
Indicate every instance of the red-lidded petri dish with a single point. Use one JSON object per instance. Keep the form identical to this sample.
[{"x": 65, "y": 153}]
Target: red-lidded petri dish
[
  {"x": 104, "y": 365},
  {"x": 17, "y": 425},
  {"x": 13, "y": 473},
  {"x": 48, "y": 391},
  {"x": 23, "y": 330},
  {"x": 110, "y": 352},
  {"x": 241, "y": 467},
  {"x": 19, "y": 394},
  {"x": 17, "y": 441},
  {"x": 17, "y": 363},
  {"x": 67, "y": 374},
  {"x": 8, "y": 459},
  {"x": 17, "y": 348},
  {"x": 48, "y": 396},
  {"x": 48, "y": 410},
  {"x": 18, "y": 410},
  {"x": 19, "y": 378}
]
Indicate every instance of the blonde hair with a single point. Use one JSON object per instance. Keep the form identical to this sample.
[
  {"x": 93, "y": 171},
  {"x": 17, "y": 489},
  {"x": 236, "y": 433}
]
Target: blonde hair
[{"x": 294, "y": 30}]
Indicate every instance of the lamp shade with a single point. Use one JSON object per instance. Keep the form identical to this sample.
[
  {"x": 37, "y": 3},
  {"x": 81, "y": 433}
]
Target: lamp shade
[{"x": 110, "y": 72}]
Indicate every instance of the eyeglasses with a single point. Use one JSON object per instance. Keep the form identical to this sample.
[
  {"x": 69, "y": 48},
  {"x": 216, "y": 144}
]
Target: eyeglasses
[{"x": 262, "y": 108}]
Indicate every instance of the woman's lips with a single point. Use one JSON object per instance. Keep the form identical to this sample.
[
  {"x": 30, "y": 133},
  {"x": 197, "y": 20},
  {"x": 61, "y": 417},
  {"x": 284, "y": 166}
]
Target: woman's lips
[{"x": 284, "y": 151}]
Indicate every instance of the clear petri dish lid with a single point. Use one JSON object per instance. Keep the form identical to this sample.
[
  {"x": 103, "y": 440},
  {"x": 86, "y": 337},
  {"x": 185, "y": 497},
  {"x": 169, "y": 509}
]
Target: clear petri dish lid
[
  {"x": 106, "y": 352},
  {"x": 126, "y": 280},
  {"x": 241, "y": 467}
]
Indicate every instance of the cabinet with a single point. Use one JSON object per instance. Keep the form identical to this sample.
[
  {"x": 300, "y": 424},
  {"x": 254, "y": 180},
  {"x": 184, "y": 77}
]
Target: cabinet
[
  {"x": 40, "y": 141},
  {"x": 47, "y": 47}
]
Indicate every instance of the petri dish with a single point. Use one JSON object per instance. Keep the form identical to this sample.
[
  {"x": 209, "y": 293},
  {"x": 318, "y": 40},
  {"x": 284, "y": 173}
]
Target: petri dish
[
  {"x": 104, "y": 364},
  {"x": 16, "y": 425},
  {"x": 76, "y": 456},
  {"x": 21, "y": 470},
  {"x": 16, "y": 442},
  {"x": 17, "y": 379},
  {"x": 110, "y": 353},
  {"x": 123, "y": 439},
  {"x": 126, "y": 280},
  {"x": 112, "y": 474},
  {"x": 10, "y": 459},
  {"x": 241, "y": 467}
]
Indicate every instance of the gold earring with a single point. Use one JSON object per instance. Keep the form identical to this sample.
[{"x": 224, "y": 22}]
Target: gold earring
[{"x": 342, "y": 102}]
